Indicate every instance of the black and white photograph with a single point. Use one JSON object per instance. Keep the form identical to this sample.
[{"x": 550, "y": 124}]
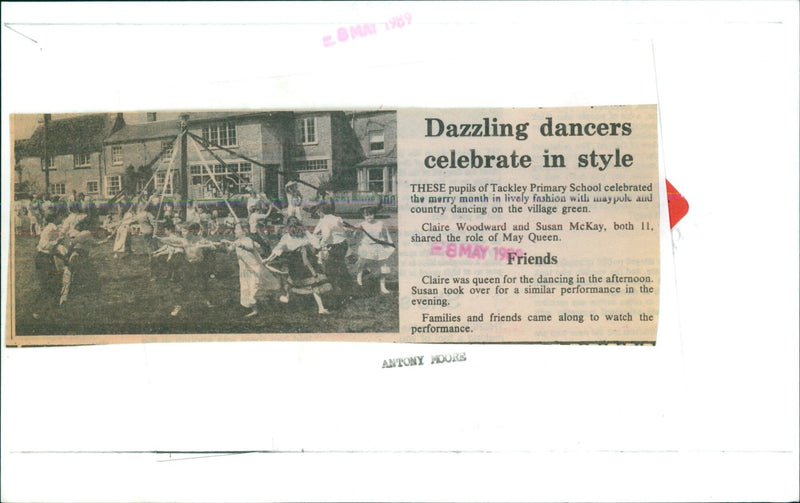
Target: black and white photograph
[{"x": 270, "y": 222}]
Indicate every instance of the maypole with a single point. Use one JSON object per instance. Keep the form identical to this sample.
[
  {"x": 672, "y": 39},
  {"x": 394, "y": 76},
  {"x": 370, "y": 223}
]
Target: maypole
[
  {"x": 184, "y": 193},
  {"x": 155, "y": 171}
]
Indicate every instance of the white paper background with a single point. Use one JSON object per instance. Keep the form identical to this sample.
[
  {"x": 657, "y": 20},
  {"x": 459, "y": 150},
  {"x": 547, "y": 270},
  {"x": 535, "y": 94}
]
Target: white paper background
[{"x": 710, "y": 413}]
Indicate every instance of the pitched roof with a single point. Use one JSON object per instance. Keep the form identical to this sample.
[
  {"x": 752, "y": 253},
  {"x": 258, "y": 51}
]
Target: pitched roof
[
  {"x": 21, "y": 148},
  {"x": 171, "y": 128},
  {"x": 83, "y": 133},
  {"x": 205, "y": 116},
  {"x": 386, "y": 159},
  {"x": 146, "y": 131},
  {"x": 369, "y": 113},
  {"x": 195, "y": 117}
]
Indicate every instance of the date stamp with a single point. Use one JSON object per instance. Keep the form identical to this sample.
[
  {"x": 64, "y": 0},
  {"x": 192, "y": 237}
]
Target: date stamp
[
  {"x": 474, "y": 251},
  {"x": 364, "y": 30}
]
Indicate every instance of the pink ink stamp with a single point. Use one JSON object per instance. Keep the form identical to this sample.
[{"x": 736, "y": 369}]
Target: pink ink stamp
[
  {"x": 363, "y": 30},
  {"x": 473, "y": 251}
]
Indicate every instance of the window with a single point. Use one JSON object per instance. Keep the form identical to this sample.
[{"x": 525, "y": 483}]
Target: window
[
  {"x": 375, "y": 180},
  {"x": 221, "y": 133},
  {"x": 82, "y": 160},
  {"x": 307, "y": 130},
  {"x": 49, "y": 163},
  {"x": 313, "y": 165},
  {"x": 116, "y": 155},
  {"x": 233, "y": 178},
  {"x": 163, "y": 183},
  {"x": 92, "y": 187},
  {"x": 58, "y": 189},
  {"x": 166, "y": 147},
  {"x": 113, "y": 185},
  {"x": 376, "y": 144}
]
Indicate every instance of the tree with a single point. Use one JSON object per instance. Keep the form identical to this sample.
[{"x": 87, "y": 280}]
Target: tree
[
  {"x": 341, "y": 180},
  {"x": 129, "y": 179},
  {"x": 143, "y": 174},
  {"x": 134, "y": 179}
]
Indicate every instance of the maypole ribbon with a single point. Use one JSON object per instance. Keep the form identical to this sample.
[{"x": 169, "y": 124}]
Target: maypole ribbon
[{"x": 211, "y": 174}]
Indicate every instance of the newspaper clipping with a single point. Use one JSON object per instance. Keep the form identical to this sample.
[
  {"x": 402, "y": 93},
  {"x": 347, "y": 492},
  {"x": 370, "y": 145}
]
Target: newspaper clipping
[
  {"x": 416, "y": 225},
  {"x": 529, "y": 225}
]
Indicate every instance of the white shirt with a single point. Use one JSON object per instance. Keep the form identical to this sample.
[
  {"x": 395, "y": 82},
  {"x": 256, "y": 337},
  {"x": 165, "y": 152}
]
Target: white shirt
[
  {"x": 331, "y": 229},
  {"x": 49, "y": 238}
]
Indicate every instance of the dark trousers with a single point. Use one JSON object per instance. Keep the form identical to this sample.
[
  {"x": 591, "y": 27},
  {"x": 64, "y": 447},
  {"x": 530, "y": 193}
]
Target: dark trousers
[
  {"x": 336, "y": 267},
  {"x": 48, "y": 275},
  {"x": 259, "y": 239}
]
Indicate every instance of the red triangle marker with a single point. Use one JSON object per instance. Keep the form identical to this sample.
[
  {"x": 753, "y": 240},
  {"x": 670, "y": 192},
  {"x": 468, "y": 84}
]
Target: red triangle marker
[{"x": 678, "y": 205}]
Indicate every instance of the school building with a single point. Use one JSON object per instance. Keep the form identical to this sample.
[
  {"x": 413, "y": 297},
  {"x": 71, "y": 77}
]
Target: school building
[
  {"x": 71, "y": 150},
  {"x": 90, "y": 154},
  {"x": 377, "y": 171}
]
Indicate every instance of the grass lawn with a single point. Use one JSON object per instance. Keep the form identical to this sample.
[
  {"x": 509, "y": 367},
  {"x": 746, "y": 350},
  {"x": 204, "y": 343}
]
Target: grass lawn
[{"x": 123, "y": 300}]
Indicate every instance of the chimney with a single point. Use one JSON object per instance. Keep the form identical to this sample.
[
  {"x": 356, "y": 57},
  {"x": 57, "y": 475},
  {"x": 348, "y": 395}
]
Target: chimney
[{"x": 151, "y": 116}]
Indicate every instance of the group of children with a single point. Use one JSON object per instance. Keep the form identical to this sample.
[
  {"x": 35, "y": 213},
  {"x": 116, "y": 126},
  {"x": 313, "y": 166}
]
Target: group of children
[
  {"x": 276, "y": 252},
  {"x": 62, "y": 250},
  {"x": 307, "y": 262},
  {"x": 29, "y": 217}
]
